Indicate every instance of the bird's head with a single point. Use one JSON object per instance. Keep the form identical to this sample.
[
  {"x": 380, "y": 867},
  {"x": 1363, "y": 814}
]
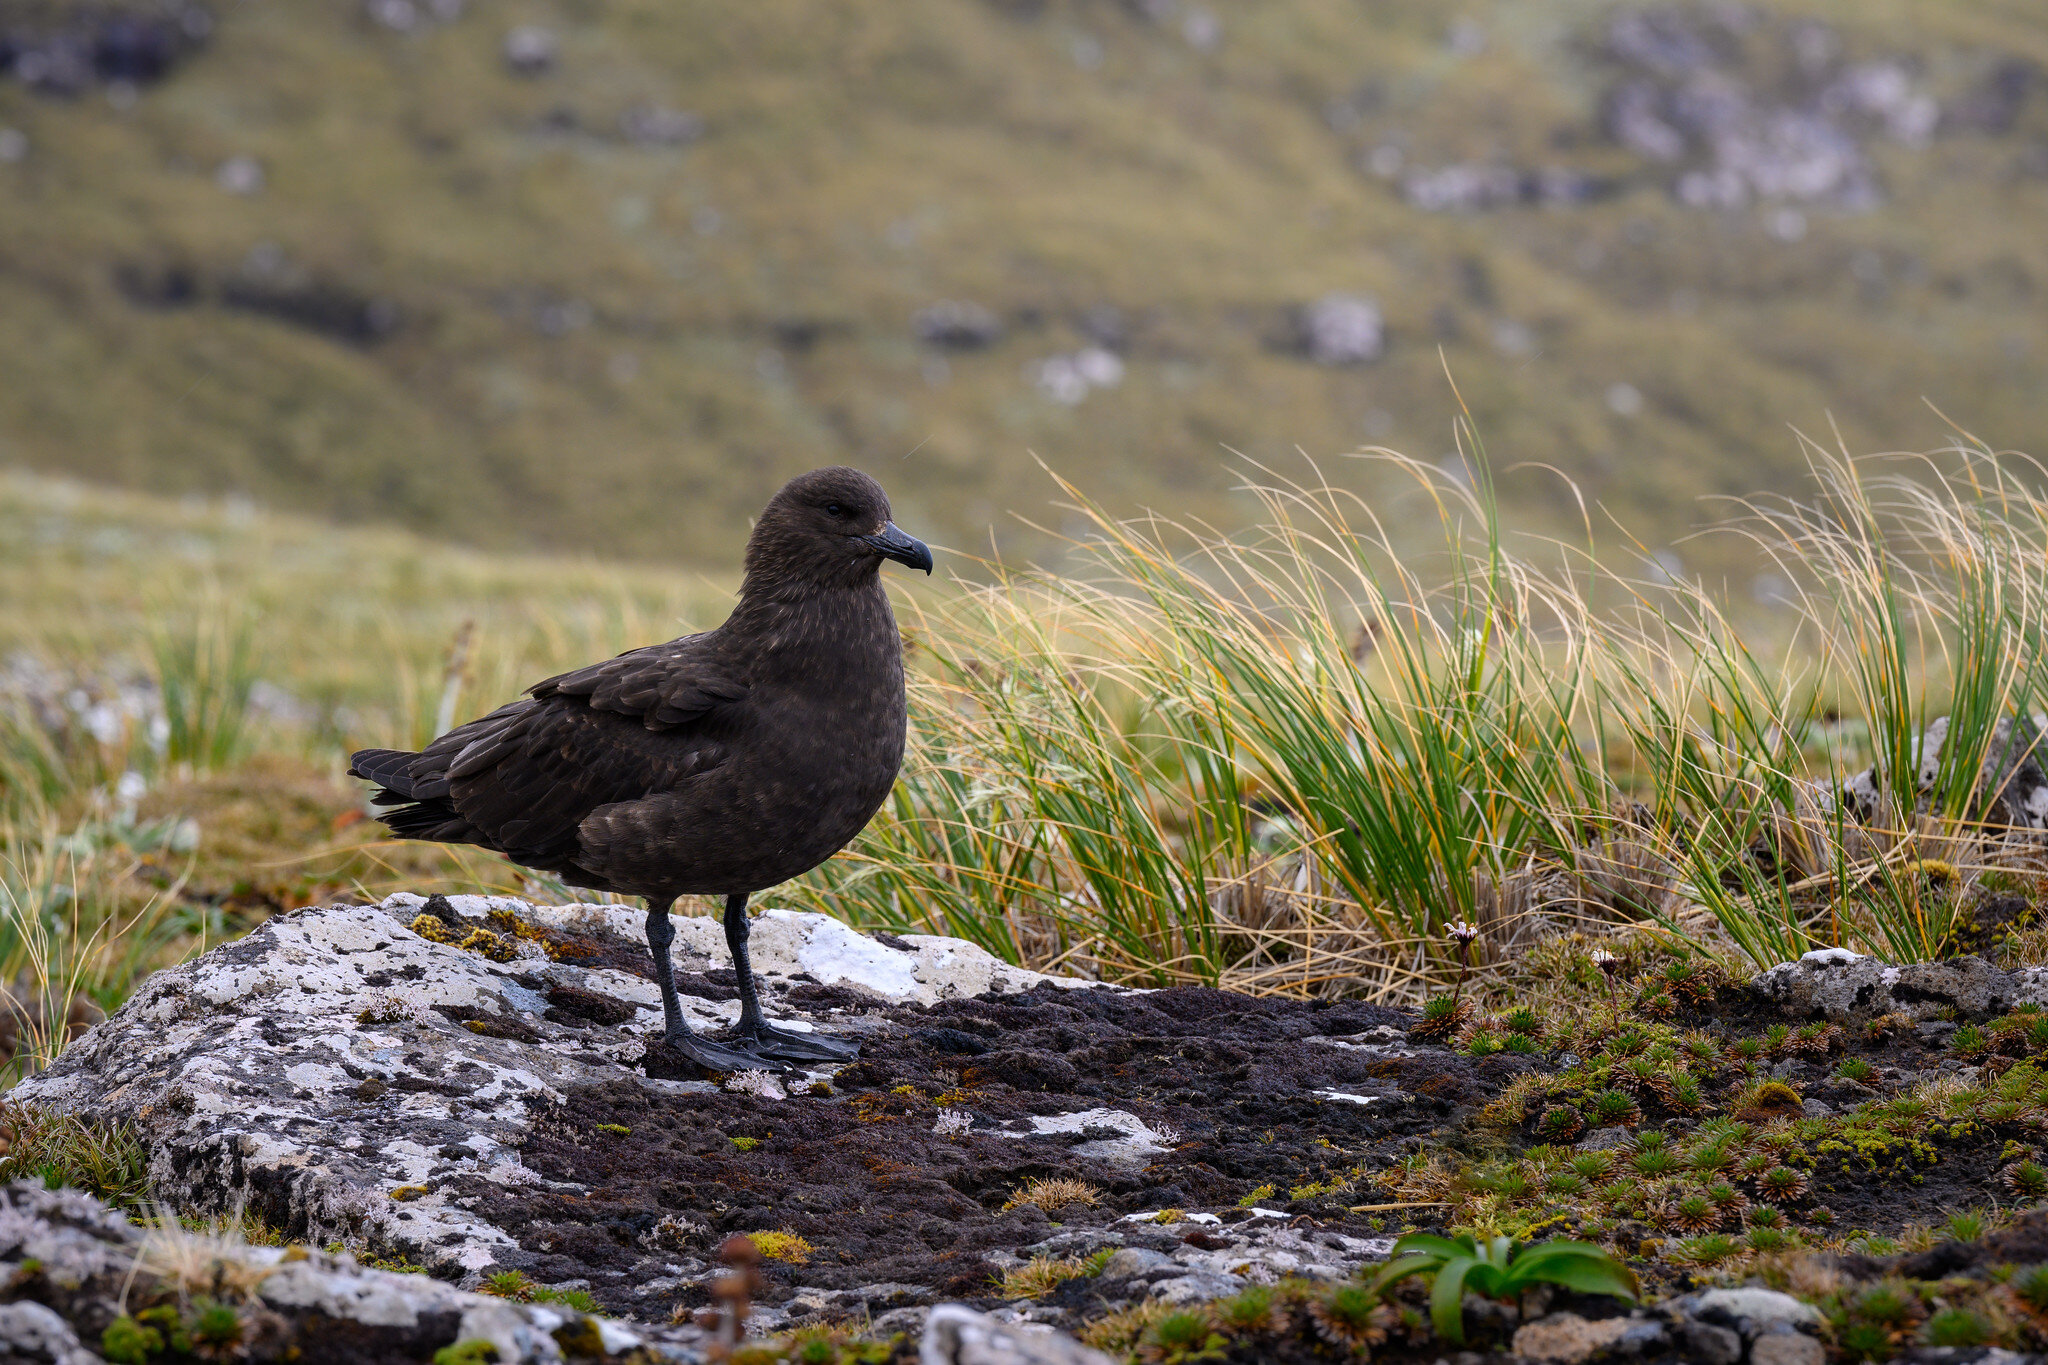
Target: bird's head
[{"x": 830, "y": 527}]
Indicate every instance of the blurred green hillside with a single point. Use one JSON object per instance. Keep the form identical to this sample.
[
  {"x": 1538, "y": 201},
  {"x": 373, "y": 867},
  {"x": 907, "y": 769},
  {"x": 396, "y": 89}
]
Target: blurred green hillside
[{"x": 603, "y": 287}]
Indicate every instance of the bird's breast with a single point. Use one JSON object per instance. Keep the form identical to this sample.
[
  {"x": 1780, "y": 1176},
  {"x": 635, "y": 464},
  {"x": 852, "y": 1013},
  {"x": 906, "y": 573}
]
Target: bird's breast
[{"x": 805, "y": 763}]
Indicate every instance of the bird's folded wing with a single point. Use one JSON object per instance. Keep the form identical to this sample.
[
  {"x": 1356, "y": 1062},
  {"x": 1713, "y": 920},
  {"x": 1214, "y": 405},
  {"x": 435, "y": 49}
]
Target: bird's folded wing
[
  {"x": 529, "y": 781},
  {"x": 663, "y": 686},
  {"x": 522, "y": 778}
]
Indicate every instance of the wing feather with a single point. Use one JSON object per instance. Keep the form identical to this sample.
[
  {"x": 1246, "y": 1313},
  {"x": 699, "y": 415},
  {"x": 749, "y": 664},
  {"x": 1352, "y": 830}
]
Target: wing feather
[
  {"x": 522, "y": 779},
  {"x": 664, "y": 686}
]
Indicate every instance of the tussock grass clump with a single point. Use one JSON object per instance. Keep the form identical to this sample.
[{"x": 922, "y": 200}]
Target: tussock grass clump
[
  {"x": 517, "y": 1286},
  {"x": 1183, "y": 1336},
  {"x": 1296, "y": 758},
  {"x": 2030, "y": 1288},
  {"x": 1120, "y": 1332},
  {"x": 1441, "y": 1017},
  {"x": 1255, "y": 1308},
  {"x": 1053, "y": 1193},
  {"x": 1041, "y": 1275},
  {"x": 63, "y": 1150}
]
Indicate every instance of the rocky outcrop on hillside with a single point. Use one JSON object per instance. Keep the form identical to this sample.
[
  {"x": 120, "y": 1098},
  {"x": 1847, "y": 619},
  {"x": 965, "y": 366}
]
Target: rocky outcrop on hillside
[
  {"x": 468, "y": 1085},
  {"x": 1729, "y": 105},
  {"x": 340, "y": 1073},
  {"x": 65, "y": 50}
]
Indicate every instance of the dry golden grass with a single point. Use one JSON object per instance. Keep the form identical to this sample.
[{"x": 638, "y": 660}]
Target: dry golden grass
[
  {"x": 210, "y": 1258},
  {"x": 1041, "y": 1275},
  {"x": 1053, "y": 1193}
]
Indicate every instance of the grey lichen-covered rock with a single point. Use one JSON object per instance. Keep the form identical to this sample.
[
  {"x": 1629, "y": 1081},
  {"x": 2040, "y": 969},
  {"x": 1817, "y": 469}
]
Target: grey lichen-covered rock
[
  {"x": 72, "y": 1237},
  {"x": 1708, "y": 1344},
  {"x": 1791, "y": 1348},
  {"x": 339, "y": 1074},
  {"x": 33, "y": 1334},
  {"x": 1199, "y": 1287},
  {"x": 1708, "y": 1327},
  {"x": 957, "y": 325},
  {"x": 1268, "y": 1249},
  {"x": 957, "y": 1335},
  {"x": 1567, "y": 1338},
  {"x": 1839, "y": 985},
  {"x": 74, "y": 1266},
  {"x": 1756, "y": 1307},
  {"x": 1199, "y": 1257},
  {"x": 1341, "y": 329},
  {"x": 2012, "y": 788},
  {"x": 1129, "y": 1261},
  {"x": 1113, "y": 1135}
]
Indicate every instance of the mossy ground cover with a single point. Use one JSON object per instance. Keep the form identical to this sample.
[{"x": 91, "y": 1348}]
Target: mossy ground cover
[
  {"x": 863, "y": 1180},
  {"x": 1882, "y": 1170}
]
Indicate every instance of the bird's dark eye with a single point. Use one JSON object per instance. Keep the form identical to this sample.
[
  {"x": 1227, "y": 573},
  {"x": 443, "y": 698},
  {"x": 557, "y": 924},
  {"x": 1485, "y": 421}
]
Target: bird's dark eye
[{"x": 833, "y": 509}]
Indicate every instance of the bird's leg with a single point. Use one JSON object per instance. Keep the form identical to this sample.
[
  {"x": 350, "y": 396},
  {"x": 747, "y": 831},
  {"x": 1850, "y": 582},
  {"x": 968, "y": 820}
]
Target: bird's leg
[
  {"x": 737, "y": 931},
  {"x": 675, "y": 1031},
  {"x": 755, "y": 1032},
  {"x": 661, "y": 933}
]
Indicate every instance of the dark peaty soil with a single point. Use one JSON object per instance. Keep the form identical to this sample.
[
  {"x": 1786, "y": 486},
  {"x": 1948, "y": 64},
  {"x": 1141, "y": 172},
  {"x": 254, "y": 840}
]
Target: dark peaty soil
[{"x": 857, "y": 1170}]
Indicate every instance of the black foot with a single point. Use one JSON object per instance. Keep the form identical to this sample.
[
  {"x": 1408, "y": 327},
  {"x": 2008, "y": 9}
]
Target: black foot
[
  {"x": 784, "y": 1046},
  {"x": 737, "y": 1055}
]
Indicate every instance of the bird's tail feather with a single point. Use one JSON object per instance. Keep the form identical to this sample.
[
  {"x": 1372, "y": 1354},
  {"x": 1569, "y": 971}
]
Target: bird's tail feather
[
  {"x": 415, "y": 799},
  {"x": 386, "y": 767},
  {"x": 435, "y": 821},
  {"x": 402, "y": 804}
]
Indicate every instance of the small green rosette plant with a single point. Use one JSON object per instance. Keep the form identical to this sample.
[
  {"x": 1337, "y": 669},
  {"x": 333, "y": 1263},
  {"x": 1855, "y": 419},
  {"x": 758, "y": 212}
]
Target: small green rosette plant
[{"x": 1498, "y": 1269}]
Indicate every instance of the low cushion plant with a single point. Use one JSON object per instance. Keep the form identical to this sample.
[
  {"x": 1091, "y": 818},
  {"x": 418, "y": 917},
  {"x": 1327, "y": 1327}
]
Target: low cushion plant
[{"x": 1498, "y": 1269}]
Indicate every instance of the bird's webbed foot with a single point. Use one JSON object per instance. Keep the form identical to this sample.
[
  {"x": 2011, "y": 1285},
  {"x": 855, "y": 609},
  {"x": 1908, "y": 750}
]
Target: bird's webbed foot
[
  {"x": 737, "y": 1055},
  {"x": 782, "y": 1045}
]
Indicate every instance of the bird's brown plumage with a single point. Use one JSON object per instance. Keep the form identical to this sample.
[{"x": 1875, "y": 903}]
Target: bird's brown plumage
[{"x": 716, "y": 764}]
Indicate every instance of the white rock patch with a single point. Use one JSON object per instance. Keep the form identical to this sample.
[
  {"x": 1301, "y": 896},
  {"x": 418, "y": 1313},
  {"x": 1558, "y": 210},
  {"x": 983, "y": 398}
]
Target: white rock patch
[{"x": 1136, "y": 1144}]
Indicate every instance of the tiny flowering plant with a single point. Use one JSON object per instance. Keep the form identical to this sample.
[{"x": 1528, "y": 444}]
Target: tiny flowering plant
[
  {"x": 1498, "y": 1269},
  {"x": 1463, "y": 934},
  {"x": 1610, "y": 967}
]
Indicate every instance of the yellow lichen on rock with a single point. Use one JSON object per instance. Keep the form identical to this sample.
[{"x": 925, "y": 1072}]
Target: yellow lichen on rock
[
  {"x": 501, "y": 946},
  {"x": 429, "y": 927},
  {"x": 484, "y": 943},
  {"x": 510, "y": 925}
]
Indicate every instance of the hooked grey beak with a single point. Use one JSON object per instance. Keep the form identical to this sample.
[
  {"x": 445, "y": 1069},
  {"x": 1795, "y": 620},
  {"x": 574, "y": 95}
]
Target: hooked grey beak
[{"x": 891, "y": 543}]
